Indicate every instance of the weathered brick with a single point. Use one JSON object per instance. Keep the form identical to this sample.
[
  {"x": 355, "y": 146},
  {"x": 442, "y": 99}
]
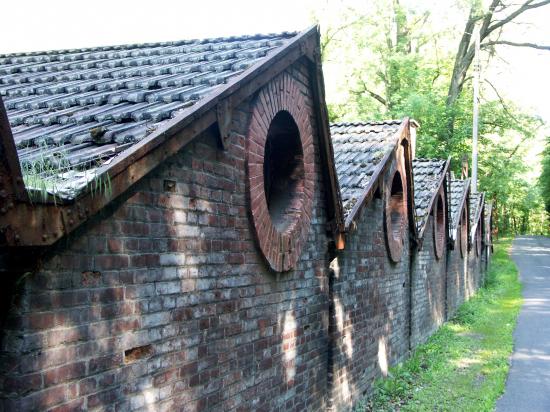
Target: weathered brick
[
  {"x": 181, "y": 271},
  {"x": 64, "y": 373}
]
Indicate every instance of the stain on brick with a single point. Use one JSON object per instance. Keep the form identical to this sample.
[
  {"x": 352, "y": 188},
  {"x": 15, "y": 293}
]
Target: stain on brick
[{"x": 139, "y": 353}]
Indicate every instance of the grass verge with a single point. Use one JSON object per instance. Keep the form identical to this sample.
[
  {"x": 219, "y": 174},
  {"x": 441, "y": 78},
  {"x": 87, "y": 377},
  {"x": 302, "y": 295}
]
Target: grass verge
[{"x": 463, "y": 366}]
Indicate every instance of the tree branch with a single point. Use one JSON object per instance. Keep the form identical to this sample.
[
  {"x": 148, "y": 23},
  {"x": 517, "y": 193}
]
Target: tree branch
[
  {"x": 374, "y": 95},
  {"x": 377, "y": 97},
  {"x": 528, "y": 5},
  {"x": 330, "y": 36},
  {"x": 506, "y": 110},
  {"x": 511, "y": 43}
]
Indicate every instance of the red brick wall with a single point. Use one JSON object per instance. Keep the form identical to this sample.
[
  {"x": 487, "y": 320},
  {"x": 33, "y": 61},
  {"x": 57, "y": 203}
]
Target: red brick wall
[
  {"x": 456, "y": 286},
  {"x": 475, "y": 269},
  {"x": 165, "y": 302},
  {"x": 428, "y": 282},
  {"x": 370, "y": 308},
  {"x": 457, "y": 269}
]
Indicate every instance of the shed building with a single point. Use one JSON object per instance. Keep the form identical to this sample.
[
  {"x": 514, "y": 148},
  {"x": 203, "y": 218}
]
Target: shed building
[
  {"x": 180, "y": 266},
  {"x": 475, "y": 255},
  {"x": 457, "y": 253},
  {"x": 181, "y": 229},
  {"x": 370, "y": 278},
  {"x": 429, "y": 254}
]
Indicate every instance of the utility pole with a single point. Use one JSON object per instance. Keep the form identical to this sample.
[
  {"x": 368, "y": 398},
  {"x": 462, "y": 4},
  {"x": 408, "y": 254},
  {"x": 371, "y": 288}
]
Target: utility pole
[{"x": 477, "y": 70}]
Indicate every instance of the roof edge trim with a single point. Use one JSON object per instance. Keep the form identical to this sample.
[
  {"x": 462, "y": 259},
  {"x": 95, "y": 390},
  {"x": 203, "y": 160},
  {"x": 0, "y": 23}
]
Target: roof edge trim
[
  {"x": 479, "y": 211},
  {"x": 460, "y": 207}
]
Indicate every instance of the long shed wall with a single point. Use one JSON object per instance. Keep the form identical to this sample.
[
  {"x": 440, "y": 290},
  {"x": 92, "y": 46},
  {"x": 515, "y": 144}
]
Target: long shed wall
[
  {"x": 457, "y": 269},
  {"x": 428, "y": 283},
  {"x": 164, "y": 301},
  {"x": 370, "y": 309}
]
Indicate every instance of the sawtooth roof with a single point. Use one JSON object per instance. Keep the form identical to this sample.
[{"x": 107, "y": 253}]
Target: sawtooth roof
[
  {"x": 359, "y": 148},
  {"x": 458, "y": 188},
  {"x": 72, "y": 111},
  {"x": 427, "y": 176}
]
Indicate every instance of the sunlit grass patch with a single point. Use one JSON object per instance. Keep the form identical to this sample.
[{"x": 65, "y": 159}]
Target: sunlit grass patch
[{"x": 463, "y": 366}]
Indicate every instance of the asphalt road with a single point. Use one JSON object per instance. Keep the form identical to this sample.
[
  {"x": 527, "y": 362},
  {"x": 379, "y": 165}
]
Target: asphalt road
[{"x": 528, "y": 384}]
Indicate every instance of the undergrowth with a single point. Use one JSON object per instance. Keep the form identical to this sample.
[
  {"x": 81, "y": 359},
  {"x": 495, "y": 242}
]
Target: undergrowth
[{"x": 463, "y": 366}]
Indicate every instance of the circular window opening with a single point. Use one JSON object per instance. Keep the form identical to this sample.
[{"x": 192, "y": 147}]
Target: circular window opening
[
  {"x": 439, "y": 227},
  {"x": 397, "y": 207},
  {"x": 478, "y": 239},
  {"x": 463, "y": 233},
  {"x": 283, "y": 171},
  {"x": 395, "y": 217}
]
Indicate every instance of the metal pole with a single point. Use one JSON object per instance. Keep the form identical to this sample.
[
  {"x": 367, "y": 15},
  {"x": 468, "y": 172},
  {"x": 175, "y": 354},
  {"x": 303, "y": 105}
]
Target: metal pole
[{"x": 477, "y": 70}]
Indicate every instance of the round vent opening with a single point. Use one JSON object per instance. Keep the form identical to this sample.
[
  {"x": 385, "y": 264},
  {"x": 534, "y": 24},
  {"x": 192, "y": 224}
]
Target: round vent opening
[
  {"x": 396, "y": 210},
  {"x": 283, "y": 171},
  {"x": 439, "y": 226}
]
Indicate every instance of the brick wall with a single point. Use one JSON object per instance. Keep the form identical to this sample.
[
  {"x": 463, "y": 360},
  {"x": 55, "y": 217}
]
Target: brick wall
[
  {"x": 457, "y": 268},
  {"x": 428, "y": 288},
  {"x": 370, "y": 306},
  {"x": 164, "y": 302},
  {"x": 473, "y": 277}
]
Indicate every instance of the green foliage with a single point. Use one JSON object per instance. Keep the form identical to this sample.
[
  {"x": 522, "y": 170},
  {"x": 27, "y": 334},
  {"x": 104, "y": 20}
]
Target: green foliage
[
  {"x": 544, "y": 179},
  {"x": 463, "y": 366},
  {"x": 386, "y": 60}
]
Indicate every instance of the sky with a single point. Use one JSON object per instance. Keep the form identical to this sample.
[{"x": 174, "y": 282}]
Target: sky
[{"x": 55, "y": 24}]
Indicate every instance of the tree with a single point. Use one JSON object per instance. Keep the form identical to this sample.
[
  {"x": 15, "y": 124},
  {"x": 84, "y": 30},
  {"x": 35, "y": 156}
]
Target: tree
[
  {"x": 392, "y": 61},
  {"x": 490, "y": 23},
  {"x": 544, "y": 179}
]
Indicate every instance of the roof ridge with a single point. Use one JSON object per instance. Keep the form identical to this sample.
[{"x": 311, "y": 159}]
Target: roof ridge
[
  {"x": 366, "y": 122},
  {"x": 129, "y": 46},
  {"x": 428, "y": 159}
]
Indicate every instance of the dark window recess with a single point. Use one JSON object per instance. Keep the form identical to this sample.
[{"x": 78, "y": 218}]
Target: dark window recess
[
  {"x": 397, "y": 206},
  {"x": 169, "y": 186},
  {"x": 283, "y": 171},
  {"x": 135, "y": 354}
]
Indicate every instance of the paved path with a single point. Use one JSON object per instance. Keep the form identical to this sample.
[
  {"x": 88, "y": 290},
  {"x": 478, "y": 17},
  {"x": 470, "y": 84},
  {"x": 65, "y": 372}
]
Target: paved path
[{"x": 528, "y": 384}]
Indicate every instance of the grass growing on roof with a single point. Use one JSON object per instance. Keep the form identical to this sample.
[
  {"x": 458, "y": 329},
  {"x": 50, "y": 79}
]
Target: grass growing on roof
[
  {"x": 47, "y": 176},
  {"x": 463, "y": 366}
]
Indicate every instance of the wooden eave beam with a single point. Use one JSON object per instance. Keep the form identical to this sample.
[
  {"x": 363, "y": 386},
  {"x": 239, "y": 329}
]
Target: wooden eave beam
[
  {"x": 461, "y": 206},
  {"x": 43, "y": 224},
  {"x": 410, "y": 180},
  {"x": 478, "y": 214},
  {"x": 333, "y": 196}
]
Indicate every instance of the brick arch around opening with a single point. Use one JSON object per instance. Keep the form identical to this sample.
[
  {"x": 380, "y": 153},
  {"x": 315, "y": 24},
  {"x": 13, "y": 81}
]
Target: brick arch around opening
[
  {"x": 396, "y": 203},
  {"x": 439, "y": 226},
  {"x": 280, "y": 127}
]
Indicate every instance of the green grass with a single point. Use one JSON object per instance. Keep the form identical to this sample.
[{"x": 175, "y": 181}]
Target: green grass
[{"x": 463, "y": 366}]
